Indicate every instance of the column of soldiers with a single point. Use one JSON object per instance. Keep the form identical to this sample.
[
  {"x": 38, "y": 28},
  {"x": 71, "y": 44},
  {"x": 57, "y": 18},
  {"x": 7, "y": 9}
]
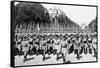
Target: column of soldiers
[{"x": 57, "y": 44}]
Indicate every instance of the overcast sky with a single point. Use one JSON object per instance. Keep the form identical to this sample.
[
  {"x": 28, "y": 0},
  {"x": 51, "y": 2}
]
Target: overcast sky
[{"x": 79, "y": 14}]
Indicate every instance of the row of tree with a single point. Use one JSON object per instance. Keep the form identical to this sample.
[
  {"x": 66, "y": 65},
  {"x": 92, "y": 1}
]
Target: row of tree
[
  {"x": 30, "y": 13},
  {"x": 31, "y": 17},
  {"x": 92, "y": 26}
]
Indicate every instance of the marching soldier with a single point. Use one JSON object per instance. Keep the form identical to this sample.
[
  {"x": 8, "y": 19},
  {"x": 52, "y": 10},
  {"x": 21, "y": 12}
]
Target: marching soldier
[
  {"x": 64, "y": 49},
  {"x": 85, "y": 45},
  {"x": 25, "y": 49},
  {"x": 94, "y": 43},
  {"x": 90, "y": 49},
  {"x": 57, "y": 47},
  {"x": 77, "y": 47},
  {"x": 44, "y": 47}
]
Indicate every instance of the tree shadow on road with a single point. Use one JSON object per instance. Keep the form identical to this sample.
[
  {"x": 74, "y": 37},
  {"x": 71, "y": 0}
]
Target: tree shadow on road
[{"x": 28, "y": 59}]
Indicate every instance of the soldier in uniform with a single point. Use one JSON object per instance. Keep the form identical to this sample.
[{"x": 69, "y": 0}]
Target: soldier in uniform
[
  {"x": 50, "y": 45},
  {"x": 64, "y": 48},
  {"x": 94, "y": 43},
  {"x": 25, "y": 48},
  {"x": 37, "y": 45},
  {"x": 90, "y": 49},
  {"x": 18, "y": 44},
  {"x": 43, "y": 47},
  {"x": 85, "y": 45},
  {"x": 57, "y": 47},
  {"x": 30, "y": 41},
  {"x": 77, "y": 48}
]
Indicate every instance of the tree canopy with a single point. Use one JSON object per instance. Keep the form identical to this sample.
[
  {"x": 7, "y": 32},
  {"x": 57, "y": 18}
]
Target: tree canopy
[
  {"x": 93, "y": 25},
  {"x": 30, "y": 13},
  {"x": 33, "y": 16}
]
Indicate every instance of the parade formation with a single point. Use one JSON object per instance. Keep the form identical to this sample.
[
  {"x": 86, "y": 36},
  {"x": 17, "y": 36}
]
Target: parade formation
[
  {"x": 56, "y": 44},
  {"x": 44, "y": 33}
]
